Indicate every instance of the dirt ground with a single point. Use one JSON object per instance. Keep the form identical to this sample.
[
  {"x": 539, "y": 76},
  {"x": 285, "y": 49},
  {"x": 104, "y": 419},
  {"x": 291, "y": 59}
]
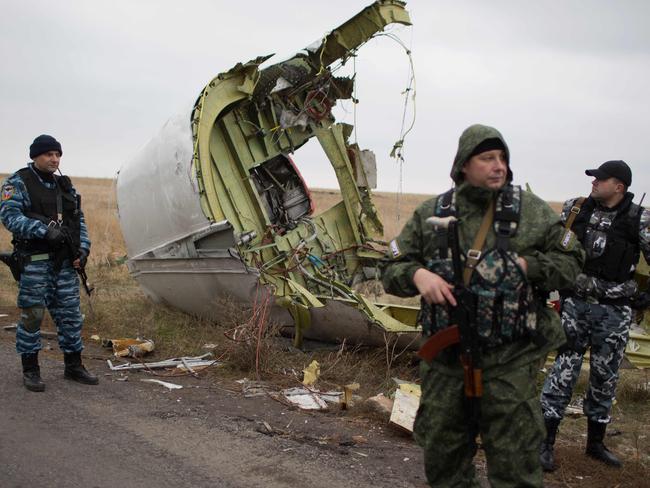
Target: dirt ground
[
  {"x": 135, "y": 434},
  {"x": 138, "y": 434}
]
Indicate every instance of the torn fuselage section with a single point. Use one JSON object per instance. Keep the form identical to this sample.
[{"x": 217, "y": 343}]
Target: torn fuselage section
[
  {"x": 246, "y": 124},
  {"x": 217, "y": 206}
]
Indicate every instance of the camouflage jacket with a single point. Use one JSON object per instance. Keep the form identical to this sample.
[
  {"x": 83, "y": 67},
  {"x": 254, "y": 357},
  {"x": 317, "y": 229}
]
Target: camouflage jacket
[
  {"x": 591, "y": 286},
  {"x": 14, "y": 201},
  {"x": 538, "y": 240}
]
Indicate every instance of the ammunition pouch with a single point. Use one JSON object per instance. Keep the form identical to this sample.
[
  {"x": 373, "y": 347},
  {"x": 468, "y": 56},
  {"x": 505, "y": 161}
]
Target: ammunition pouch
[
  {"x": 501, "y": 303},
  {"x": 433, "y": 318}
]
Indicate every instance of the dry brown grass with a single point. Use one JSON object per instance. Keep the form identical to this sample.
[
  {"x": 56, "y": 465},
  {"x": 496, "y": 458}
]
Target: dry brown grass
[
  {"x": 394, "y": 209},
  {"x": 120, "y": 308}
]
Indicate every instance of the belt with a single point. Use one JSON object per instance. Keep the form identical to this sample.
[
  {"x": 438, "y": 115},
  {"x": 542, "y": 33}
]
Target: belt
[
  {"x": 620, "y": 301},
  {"x": 38, "y": 257}
]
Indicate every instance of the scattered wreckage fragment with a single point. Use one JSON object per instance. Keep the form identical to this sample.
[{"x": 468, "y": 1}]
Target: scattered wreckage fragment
[
  {"x": 215, "y": 205},
  {"x": 184, "y": 363}
]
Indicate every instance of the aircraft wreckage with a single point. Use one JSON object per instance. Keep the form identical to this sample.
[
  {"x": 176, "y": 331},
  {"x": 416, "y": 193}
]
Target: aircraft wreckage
[{"x": 214, "y": 205}]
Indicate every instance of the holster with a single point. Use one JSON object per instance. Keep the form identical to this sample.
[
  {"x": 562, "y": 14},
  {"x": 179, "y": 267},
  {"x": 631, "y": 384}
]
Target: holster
[{"x": 14, "y": 262}]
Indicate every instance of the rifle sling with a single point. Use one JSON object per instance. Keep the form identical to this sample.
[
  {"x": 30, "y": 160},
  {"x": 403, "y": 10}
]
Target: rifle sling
[
  {"x": 474, "y": 254},
  {"x": 575, "y": 210},
  {"x": 59, "y": 204}
]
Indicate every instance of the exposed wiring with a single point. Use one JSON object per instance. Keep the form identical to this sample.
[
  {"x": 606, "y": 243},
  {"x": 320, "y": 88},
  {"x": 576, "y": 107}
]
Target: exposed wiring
[
  {"x": 355, "y": 101},
  {"x": 409, "y": 93}
]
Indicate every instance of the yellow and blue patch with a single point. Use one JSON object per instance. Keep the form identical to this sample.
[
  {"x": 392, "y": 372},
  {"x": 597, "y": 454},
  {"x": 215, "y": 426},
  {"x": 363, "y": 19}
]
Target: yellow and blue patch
[{"x": 8, "y": 191}]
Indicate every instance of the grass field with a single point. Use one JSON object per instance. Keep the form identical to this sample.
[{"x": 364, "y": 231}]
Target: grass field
[{"x": 120, "y": 309}]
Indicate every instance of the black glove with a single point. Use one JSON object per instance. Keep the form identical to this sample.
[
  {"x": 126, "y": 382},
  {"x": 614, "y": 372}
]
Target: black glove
[
  {"x": 83, "y": 257},
  {"x": 55, "y": 237},
  {"x": 641, "y": 301}
]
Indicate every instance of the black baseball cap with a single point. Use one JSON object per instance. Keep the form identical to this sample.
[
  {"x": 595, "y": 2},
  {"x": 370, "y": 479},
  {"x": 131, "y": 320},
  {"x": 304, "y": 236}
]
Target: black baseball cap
[{"x": 612, "y": 169}]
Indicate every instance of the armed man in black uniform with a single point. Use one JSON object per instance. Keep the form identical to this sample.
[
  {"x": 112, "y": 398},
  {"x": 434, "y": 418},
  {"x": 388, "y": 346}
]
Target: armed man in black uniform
[
  {"x": 43, "y": 212},
  {"x": 597, "y": 312}
]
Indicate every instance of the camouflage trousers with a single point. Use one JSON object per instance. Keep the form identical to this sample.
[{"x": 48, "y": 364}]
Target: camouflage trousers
[
  {"x": 42, "y": 287},
  {"x": 510, "y": 426},
  {"x": 604, "y": 329}
]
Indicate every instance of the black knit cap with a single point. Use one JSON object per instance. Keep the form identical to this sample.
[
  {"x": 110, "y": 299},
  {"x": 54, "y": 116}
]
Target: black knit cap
[
  {"x": 487, "y": 145},
  {"x": 43, "y": 144}
]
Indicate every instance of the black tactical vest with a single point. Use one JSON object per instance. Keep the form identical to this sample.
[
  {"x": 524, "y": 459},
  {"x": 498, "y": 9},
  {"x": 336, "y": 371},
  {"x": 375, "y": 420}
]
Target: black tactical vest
[
  {"x": 44, "y": 208},
  {"x": 612, "y": 245}
]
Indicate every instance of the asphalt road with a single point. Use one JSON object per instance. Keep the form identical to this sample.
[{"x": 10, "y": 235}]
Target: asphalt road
[{"x": 135, "y": 434}]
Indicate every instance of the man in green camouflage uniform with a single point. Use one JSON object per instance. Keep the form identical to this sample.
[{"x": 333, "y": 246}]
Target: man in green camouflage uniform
[{"x": 509, "y": 422}]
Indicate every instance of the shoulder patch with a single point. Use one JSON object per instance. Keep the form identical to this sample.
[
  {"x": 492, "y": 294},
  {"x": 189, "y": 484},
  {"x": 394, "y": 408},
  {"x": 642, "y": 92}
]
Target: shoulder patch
[
  {"x": 394, "y": 249},
  {"x": 8, "y": 191},
  {"x": 568, "y": 239}
]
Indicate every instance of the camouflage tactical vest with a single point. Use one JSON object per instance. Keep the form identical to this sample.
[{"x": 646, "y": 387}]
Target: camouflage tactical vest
[
  {"x": 610, "y": 238},
  {"x": 505, "y": 304}
]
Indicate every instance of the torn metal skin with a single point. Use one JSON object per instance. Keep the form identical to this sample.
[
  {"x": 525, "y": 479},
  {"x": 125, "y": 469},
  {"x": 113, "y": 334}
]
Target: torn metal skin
[{"x": 215, "y": 205}]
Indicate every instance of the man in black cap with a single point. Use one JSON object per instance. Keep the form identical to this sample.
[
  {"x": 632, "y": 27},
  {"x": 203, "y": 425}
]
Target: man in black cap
[
  {"x": 597, "y": 312},
  {"x": 43, "y": 212}
]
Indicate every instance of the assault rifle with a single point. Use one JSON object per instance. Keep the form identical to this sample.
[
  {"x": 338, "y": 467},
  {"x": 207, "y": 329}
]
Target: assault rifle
[
  {"x": 463, "y": 317},
  {"x": 73, "y": 253},
  {"x": 11, "y": 260}
]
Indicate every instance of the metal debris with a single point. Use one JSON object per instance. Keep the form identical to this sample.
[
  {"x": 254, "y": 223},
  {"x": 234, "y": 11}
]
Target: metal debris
[
  {"x": 311, "y": 373},
  {"x": 252, "y": 389},
  {"x": 638, "y": 350},
  {"x": 170, "y": 386},
  {"x": 405, "y": 406},
  {"x": 309, "y": 399},
  {"x": 127, "y": 347},
  {"x": 348, "y": 393},
  {"x": 194, "y": 362}
]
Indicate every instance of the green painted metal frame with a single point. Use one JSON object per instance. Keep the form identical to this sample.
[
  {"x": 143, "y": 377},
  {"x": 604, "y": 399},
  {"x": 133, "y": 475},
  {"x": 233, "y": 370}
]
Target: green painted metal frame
[{"x": 235, "y": 130}]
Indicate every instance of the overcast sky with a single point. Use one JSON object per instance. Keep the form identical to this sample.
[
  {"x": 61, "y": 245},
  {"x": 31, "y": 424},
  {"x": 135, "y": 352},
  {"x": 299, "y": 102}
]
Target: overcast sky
[{"x": 565, "y": 81}]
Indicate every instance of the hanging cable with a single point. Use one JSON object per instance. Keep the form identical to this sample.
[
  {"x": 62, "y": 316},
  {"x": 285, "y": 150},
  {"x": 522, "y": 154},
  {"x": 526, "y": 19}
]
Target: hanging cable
[
  {"x": 355, "y": 101},
  {"x": 409, "y": 93}
]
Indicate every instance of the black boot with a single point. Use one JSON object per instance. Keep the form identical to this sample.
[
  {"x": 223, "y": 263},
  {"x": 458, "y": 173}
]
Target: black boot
[
  {"x": 32, "y": 372},
  {"x": 75, "y": 371},
  {"x": 546, "y": 458},
  {"x": 595, "y": 447}
]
